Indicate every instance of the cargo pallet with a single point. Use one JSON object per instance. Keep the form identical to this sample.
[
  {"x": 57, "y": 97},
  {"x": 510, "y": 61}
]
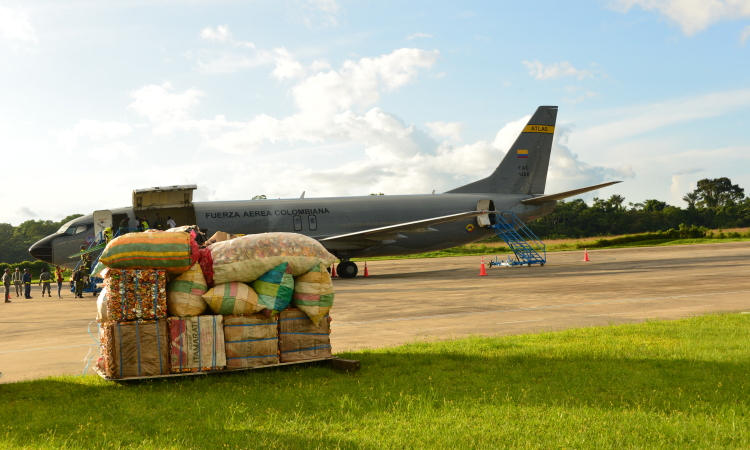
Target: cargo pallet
[
  {"x": 349, "y": 365},
  {"x": 521, "y": 240}
]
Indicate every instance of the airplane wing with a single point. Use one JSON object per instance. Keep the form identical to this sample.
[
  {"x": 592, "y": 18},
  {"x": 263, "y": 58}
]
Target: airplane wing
[
  {"x": 393, "y": 231},
  {"x": 552, "y": 197}
]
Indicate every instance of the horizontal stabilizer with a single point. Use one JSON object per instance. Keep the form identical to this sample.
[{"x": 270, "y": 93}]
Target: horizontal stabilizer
[
  {"x": 391, "y": 231},
  {"x": 552, "y": 197}
]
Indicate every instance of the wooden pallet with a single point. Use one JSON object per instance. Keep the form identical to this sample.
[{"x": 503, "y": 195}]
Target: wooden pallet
[{"x": 348, "y": 365}]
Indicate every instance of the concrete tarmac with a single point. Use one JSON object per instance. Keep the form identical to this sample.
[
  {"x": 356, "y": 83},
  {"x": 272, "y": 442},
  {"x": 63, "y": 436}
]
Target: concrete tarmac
[{"x": 416, "y": 299}]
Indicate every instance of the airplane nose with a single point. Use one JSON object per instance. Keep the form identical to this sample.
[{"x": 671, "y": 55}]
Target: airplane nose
[{"x": 42, "y": 250}]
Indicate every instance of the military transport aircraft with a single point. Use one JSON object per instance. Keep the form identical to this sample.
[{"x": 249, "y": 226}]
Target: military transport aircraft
[{"x": 354, "y": 226}]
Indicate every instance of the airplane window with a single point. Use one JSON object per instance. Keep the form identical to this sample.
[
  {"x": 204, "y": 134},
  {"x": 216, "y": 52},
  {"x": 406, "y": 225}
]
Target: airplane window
[
  {"x": 66, "y": 228},
  {"x": 312, "y": 222},
  {"x": 81, "y": 228},
  {"x": 297, "y": 223}
]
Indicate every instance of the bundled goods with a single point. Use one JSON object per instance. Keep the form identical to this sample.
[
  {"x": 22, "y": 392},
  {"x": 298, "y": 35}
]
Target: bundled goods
[
  {"x": 232, "y": 298},
  {"x": 221, "y": 236},
  {"x": 101, "y": 306},
  {"x": 193, "y": 230},
  {"x": 251, "y": 341},
  {"x": 134, "y": 349},
  {"x": 313, "y": 293},
  {"x": 135, "y": 294},
  {"x": 185, "y": 293},
  {"x": 246, "y": 258},
  {"x": 172, "y": 252},
  {"x": 197, "y": 343},
  {"x": 275, "y": 288},
  {"x": 300, "y": 339}
]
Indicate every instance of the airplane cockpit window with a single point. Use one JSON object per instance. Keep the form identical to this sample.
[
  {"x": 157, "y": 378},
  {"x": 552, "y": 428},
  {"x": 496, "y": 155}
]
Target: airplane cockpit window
[
  {"x": 68, "y": 227},
  {"x": 81, "y": 228}
]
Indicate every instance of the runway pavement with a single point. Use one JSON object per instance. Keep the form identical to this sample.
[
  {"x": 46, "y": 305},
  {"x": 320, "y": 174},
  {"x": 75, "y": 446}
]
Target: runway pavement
[{"x": 405, "y": 300}]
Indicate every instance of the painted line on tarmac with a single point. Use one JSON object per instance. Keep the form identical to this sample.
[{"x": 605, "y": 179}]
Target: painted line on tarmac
[
  {"x": 44, "y": 348},
  {"x": 535, "y": 308}
]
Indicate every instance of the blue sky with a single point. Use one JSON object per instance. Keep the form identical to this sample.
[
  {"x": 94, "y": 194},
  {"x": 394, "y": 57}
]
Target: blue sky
[{"x": 341, "y": 98}]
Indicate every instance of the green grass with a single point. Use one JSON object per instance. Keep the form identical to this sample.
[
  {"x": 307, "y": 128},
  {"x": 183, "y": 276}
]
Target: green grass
[
  {"x": 680, "y": 384},
  {"x": 495, "y": 248}
]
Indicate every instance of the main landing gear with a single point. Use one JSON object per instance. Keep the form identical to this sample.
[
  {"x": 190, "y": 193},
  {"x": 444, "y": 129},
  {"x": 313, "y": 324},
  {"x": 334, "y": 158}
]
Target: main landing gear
[{"x": 347, "y": 269}]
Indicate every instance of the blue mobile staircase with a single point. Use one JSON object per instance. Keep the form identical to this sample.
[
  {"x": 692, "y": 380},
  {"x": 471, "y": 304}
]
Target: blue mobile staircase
[{"x": 521, "y": 240}]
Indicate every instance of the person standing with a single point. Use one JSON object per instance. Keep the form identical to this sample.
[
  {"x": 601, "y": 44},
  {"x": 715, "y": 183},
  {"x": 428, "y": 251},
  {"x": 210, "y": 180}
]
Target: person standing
[
  {"x": 108, "y": 234},
  {"x": 59, "y": 278},
  {"x": 6, "y": 284},
  {"x": 85, "y": 260},
  {"x": 159, "y": 223},
  {"x": 170, "y": 223},
  {"x": 144, "y": 224},
  {"x": 124, "y": 225},
  {"x": 18, "y": 282},
  {"x": 27, "y": 283},
  {"x": 44, "y": 280},
  {"x": 78, "y": 278}
]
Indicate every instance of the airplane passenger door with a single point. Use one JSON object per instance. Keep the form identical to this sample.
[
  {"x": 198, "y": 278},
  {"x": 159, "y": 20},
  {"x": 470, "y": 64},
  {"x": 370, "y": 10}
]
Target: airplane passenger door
[
  {"x": 102, "y": 220},
  {"x": 312, "y": 222},
  {"x": 484, "y": 219},
  {"x": 297, "y": 223}
]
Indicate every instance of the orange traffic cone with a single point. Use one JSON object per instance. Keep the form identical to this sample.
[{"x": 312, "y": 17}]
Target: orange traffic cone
[
  {"x": 585, "y": 255},
  {"x": 333, "y": 270},
  {"x": 483, "y": 272},
  {"x": 367, "y": 273}
]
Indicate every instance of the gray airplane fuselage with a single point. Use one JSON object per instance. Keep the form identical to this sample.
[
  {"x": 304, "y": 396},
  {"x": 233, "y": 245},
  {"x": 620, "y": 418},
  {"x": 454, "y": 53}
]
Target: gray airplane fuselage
[{"x": 324, "y": 217}]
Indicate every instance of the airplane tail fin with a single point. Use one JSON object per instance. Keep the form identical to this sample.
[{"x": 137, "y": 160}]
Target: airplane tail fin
[{"x": 523, "y": 170}]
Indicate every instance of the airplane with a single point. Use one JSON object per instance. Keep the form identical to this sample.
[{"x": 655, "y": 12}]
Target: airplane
[{"x": 349, "y": 227}]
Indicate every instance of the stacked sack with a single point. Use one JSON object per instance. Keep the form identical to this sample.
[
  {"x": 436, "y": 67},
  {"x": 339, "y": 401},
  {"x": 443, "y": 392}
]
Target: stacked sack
[
  {"x": 132, "y": 307},
  {"x": 243, "y": 302}
]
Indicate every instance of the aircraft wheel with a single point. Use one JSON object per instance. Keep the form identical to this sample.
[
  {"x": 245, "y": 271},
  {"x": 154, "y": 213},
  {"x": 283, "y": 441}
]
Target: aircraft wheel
[
  {"x": 347, "y": 269},
  {"x": 542, "y": 265}
]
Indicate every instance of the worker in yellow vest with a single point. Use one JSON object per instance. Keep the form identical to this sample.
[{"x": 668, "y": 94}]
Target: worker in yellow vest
[
  {"x": 108, "y": 234},
  {"x": 144, "y": 224}
]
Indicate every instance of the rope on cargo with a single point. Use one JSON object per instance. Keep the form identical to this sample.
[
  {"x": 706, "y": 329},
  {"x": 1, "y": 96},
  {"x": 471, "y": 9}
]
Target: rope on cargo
[
  {"x": 96, "y": 342},
  {"x": 318, "y": 347}
]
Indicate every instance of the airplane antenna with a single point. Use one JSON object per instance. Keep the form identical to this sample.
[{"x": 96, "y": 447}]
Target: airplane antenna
[
  {"x": 433, "y": 192},
  {"x": 303, "y": 195}
]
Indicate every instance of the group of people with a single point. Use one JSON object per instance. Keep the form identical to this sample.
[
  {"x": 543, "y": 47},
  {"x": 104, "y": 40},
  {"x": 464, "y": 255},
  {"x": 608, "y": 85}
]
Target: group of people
[
  {"x": 22, "y": 282},
  {"x": 143, "y": 224}
]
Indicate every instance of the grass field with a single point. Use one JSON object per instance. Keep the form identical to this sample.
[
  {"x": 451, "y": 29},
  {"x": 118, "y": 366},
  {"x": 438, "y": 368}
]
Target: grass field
[
  {"x": 680, "y": 384},
  {"x": 561, "y": 245}
]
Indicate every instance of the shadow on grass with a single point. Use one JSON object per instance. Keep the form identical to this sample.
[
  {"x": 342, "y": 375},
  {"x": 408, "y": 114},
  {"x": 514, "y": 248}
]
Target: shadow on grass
[{"x": 301, "y": 406}]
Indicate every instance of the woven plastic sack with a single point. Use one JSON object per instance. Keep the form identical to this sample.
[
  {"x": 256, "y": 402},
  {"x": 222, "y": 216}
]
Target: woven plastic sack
[
  {"x": 232, "y": 298},
  {"x": 197, "y": 343},
  {"x": 313, "y": 293},
  {"x": 248, "y": 257},
  {"x": 172, "y": 252},
  {"x": 300, "y": 339},
  {"x": 136, "y": 294},
  {"x": 134, "y": 349},
  {"x": 185, "y": 293},
  {"x": 275, "y": 288},
  {"x": 251, "y": 341}
]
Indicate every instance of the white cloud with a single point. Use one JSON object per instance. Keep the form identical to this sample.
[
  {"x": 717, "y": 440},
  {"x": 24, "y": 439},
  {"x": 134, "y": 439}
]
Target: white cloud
[
  {"x": 557, "y": 70},
  {"x": 451, "y": 130},
  {"x": 580, "y": 95},
  {"x": 745, "y": 34},
  {"x": 112, "y": 151},
  {"x": 418, "y": 35},
  {"x": 25, "y": 213},
  {"x": 317, "y": 12},
  {"x": 160, "y": 104},
  {"x": 691, "y": 15},
  {"x": 286, "y": 66},
  {"x": 682, "y": 184},
  {"x": 222, "y": 34},
  {"x": 94, "y": 130},
  {"x": 15, "y": 25}
]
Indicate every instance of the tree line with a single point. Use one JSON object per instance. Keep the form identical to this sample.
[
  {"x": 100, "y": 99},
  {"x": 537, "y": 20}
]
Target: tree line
[
  {"x": 15, "y": 241},
  {"x": 715, "y": 203}
]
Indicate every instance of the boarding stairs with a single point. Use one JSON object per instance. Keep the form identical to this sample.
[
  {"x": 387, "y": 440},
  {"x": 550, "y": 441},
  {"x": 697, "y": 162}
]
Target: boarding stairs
[
  {"x": 97, "y": 245},
  {"x": 527, "y": 248}
]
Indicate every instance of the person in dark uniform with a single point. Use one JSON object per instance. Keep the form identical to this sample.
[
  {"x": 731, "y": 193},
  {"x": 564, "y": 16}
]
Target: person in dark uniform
[
  {"x": 124, "y": 224},
  {"x": 27, "y": 283},
  {"x": 78, "y": 279},
  {"x": 159, "y": 222},
  {"x": 44, "y": 280},
  {"x": 85, "y": 260}
]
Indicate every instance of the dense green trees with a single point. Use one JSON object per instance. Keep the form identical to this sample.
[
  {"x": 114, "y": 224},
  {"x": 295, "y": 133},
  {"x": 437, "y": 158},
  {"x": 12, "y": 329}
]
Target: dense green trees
[
  {"x": 715, "y": 203},
  {"x": 15, "y": 241}
]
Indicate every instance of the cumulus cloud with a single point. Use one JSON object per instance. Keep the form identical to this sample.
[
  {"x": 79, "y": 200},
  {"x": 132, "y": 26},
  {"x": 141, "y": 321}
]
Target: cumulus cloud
[
  {"x": 161, "y": 104},
  {"x": 112, "y": 151},
  {"x": 222, "y": 34},
  {"x": 450, "y": 130},
  {"x": 418, "y": 35},
  {"x": 693, "y": 15},
  {"x": 92, "y": 129},
  {"x": 579, "y": 95},
  {"x": 25, "y": 213},
  {"x": 556, "y": 70},
  {"x": 287, "y": 66},
  {"x": 15, "y": 25}
]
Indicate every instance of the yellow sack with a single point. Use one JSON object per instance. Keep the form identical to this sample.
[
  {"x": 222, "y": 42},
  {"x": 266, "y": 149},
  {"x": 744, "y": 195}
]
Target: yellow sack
[
  {"x": 313, "y": 293},
  {"x": 185, "y": 293},
  {"x": 232, "y": 298}
]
